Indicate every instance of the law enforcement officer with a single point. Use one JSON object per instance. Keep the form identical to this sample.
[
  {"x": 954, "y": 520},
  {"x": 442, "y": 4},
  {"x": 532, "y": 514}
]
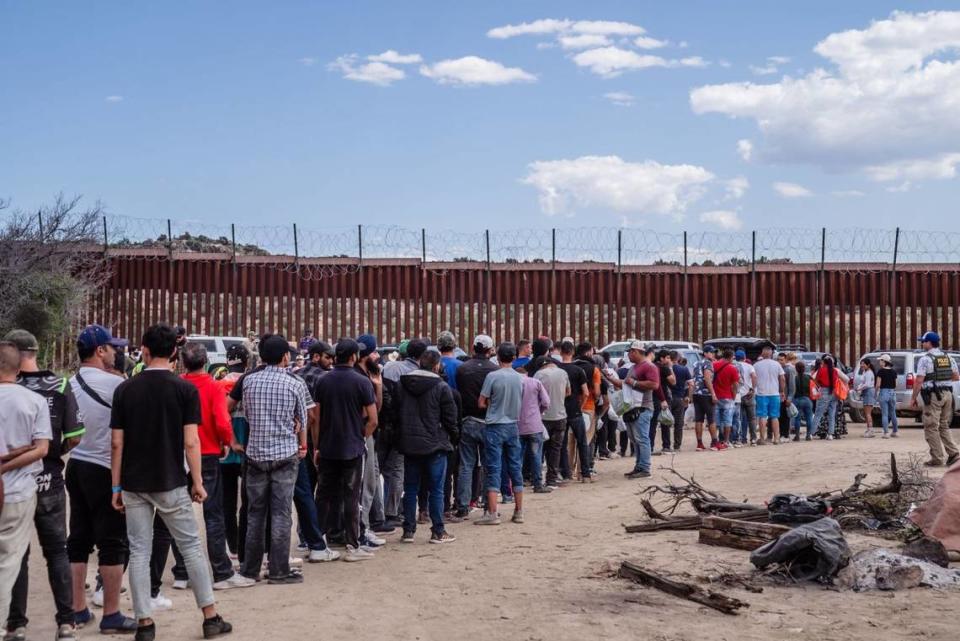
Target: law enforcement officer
[{"x": 935, "y": 373}]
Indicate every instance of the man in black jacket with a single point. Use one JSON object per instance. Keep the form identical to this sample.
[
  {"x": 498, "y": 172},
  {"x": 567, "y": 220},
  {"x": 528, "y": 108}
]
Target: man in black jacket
[{"x": 427, "y": 419}]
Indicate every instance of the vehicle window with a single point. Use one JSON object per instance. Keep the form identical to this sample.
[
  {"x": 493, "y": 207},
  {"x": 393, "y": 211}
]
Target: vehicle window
[
  {"x": 228, "y": 343},
  {"x": 900, "y": 364},
  {"x": 208, "y": 343}
]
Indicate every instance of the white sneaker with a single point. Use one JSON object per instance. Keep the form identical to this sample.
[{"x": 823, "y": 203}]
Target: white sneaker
[
  {"x": 294, "y": 562},
  {"x": 373, "y": 538},
  {"x": 160, "y": 602},
  {"x": 322, "y": 556},
  {"x": 98, "y": 598},
  {"x": 357, "y": 554},
  {"x": 885, "y": 435},
  {"x": 181, "y": 584},
  {"x": 829, "y": 437},
  {"x": 236, "y": 581},
  {"x": 67, "y": 632}
]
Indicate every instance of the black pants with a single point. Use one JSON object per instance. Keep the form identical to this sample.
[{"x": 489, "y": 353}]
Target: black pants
[
  {"x": 230, "y": 476},
  {"x": 553, "y": 447},
  {"x": 93, "y": 522},
  {"x": 340, "y": 487},
  {"x": 213, "y": 521},
  {"x": 624, "y": 442},
  {"x": 678, "y": 408},
  {"x": 51, "y": 523}
]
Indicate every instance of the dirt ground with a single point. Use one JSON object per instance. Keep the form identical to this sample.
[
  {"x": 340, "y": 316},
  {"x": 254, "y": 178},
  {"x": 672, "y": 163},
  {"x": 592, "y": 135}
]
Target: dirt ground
[{"x": 544, "y": 580}]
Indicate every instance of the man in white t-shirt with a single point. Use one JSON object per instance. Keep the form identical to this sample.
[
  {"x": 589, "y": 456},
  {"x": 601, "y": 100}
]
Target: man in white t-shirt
[
  {"x": 748, "y": 399},
  {"x": 25, "y": 435},
  {"x": 93, "y": 523},
  {"x": 771, "y": 383}
]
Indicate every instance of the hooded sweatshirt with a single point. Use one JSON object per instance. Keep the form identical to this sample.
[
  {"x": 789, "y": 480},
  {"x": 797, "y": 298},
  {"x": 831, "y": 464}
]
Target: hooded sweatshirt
[
  {"x": 216, "y": 428},
  {"x": 427, "y": 414}
]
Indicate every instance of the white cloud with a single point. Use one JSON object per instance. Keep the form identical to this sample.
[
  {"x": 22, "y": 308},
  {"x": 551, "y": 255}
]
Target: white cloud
[
  {"x": 583, "y": 41},
  {"x": 646, "y": 42},
  {"x": 771, "y": 67},
  {"x": 612, "y": 183},
  {"x": 737, "y": 187},
  {"x": 792, "y": 190},
  {"x": 307, "y": 61},
  {"x": 778, "y": 60},
  {"x": 725, "y": 219},
  {"x": 620, "y": 98},
  {"x": 888, "y": 104},
  {"x": 903, "y": 187},
  {"x": 392, "y": 57},
  {"x": 745, "y": 149},
  {"x": 607, "y": 28},
  {"x": 612, "y": 61},
  {"x": 691, "y": 61},
  {"x": 939, "y": 167},
  {"x": 376, "y": 73},
  {"x": 848, "y": 193},
  {"x": 114, "y": 99},
  {"x": 724, "y": 63},
  {"x": 537, "y": 27},
  {"x": 473, "y": 70}
]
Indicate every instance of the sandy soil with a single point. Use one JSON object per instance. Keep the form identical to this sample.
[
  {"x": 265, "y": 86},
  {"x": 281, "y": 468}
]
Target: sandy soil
[{"x": 544, "y": 579}]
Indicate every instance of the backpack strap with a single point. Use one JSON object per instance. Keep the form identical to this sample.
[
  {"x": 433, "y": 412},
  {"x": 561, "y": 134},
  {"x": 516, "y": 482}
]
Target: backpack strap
[{"x": 91, "y": 393}]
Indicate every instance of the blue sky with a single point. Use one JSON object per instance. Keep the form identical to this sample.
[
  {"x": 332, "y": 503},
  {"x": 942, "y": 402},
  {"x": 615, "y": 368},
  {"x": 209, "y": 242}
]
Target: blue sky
[{"x": 243, "y": 112}]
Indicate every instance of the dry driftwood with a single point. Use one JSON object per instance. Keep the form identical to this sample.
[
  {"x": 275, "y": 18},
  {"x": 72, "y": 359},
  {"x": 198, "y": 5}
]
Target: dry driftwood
[
  {"x": 693, "y": 522},
  {"x": 695, "y": 593},
  {"x": 739, "y": 535}
]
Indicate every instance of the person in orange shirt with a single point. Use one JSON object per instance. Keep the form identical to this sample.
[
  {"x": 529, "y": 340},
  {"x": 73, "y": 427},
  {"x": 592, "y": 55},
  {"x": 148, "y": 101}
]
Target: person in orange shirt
[{"x": 589, "y": 404}]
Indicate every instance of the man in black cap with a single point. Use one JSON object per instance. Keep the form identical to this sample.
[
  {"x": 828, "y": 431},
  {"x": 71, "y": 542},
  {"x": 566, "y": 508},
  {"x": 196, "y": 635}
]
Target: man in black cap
[
  {"x": 276, "y": 404},
  {"x": 371, "y": 511},
  {"x": 347, "y": 414}
]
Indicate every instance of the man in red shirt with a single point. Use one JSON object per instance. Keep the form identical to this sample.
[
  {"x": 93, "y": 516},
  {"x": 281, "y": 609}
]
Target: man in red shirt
[
  {"x": 726, "y": 380},
  {"x": 216, "y": 434}
]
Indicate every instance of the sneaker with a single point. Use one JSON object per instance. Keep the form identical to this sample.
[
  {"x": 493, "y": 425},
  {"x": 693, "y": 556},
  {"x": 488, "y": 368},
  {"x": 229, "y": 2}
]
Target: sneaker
[
  {"x": 407, "y": 537},
  {"x": 517, "y": 516},
  {"x": 638, "y": 474},
  {"x": 160, "y": 602},
  {"x": 322, "y": 556},
  {"x": 895, "y": 434},
  {"x": 753, "y": 442},
  {"x": 451, "y": 517},
  {"x": 293, "y": 562},
  {"x": 393, "y": 521},
  {"x": 145, "y": 632},
  {"x": 657, "y": 453},
  {"x": 181, "y": 584},
  {"x": 953, "y": 458},
  {"x": 291, "y": 578},
  {"x": 116, "y": 623},
  {"x": 215, "y": 626},
  {"x": 462, "y": 513},
  {"x": 722, "y": 446},
  {"x": 373, "y": 539},
  {"x": 488, "y": 518},
  {"x": 67, "y": 632},
  {"x": 384, "y": 528},
  {"x": 444, "y": 537},
  {"x": 97, "y": 599},
  {"x": 885, "y": 435},
  {"x": 17, "y": 634},
  {"x": 809, "y": 438},
  {"x": 715, "y": 447},
  {"x": 701, "y": 448},
  {"x": 83, "y": 617},
  {"x": 236, "y": 581},
  {"x": 543, "y": 489},
  {"x": 667, "y": 450},
  {"x": 829, "y": 437},
  {"x": 868, "y": 433},
  {"x": 357, "y": 554},
  {"x": 423, "y": 517},
  {"x": 303, "y": 548},
  {"x": 796, "y": 438},
  {"x": 507, "y": 499},
  {"x": 761, "y": 441}
]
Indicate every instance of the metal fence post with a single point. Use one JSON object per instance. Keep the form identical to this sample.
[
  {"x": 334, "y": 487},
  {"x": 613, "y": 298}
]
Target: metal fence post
[
  {"x": 296, "y": 248},
  {"x": 233, "y": 241},
  {"x": 619, "y": 249},
  {"x": 821, "y": 294},
  {"x": 169, "y": 239},
  {"x": 686, "y": 299},
  {"x": 753, "y": 283},
  {"x": 360, "y": 244},
  {"x": 893, "y": 286},
  {"x": 40, "y": 223},
  {"x": 553, "y": 248},
  {"x": 106, "y": 239},
  {"x": 423, "y": 244}
]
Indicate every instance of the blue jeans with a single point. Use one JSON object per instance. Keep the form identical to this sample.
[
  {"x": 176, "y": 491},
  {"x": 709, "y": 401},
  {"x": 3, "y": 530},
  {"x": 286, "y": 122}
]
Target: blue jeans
[
  {"x": 531, "y": 446},
  {"x": 639, "y": 431},
  {"x": 748, "y": 419},
  {"x": 432, "y": 467},
  {"x": 826, "y": 403},
  {"x": 471, "y": 453},
  {"x": 888, "y": 409},
  {"x": 501, "y": 442},
  {"x": 305, "y": 502},
  {"x": 725, "y": 411},
  {"x": 804, "y": 413}
]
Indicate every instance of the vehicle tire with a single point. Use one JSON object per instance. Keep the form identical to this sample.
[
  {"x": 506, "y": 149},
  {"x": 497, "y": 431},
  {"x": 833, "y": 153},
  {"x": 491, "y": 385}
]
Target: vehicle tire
[{"x": 856, "y": 415}]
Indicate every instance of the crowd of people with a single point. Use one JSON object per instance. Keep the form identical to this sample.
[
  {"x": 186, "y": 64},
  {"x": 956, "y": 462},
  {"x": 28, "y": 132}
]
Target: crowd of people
[{"x": 359, "y": 445}]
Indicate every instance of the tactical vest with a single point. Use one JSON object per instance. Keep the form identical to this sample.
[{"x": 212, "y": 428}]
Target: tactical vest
[{"x": 942, "y": 368}]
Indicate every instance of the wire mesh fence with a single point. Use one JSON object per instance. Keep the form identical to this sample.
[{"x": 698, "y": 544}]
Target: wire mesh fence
[{"x": 608, "y": 245}]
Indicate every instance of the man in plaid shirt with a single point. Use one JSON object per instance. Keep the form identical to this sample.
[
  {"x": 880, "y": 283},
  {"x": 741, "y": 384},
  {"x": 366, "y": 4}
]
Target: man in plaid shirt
[{"x": 278, "y": 408}]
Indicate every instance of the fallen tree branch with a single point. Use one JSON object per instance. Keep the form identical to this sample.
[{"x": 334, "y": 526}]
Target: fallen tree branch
[{"x": 694, "y": 593}]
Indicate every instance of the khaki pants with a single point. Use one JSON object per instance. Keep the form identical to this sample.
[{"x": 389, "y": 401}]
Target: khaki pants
[
  {"x": 937, "y": 415},
  {"x": 573, "y": 452},
  {"x": 16, "y": 528}
]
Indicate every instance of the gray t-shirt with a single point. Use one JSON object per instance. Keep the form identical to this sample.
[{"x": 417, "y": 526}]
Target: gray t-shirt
[
  {"x": 557, "y": 383},
  {"x": 504, "y": 388},
  {"x": 94, "y": 445},
  {"x": 24, "y": 418}
]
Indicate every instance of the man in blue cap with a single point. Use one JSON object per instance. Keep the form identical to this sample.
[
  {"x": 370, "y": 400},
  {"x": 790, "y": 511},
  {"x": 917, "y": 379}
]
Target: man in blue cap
[
  {"x": 936, "y": 373},
  {"x": 92, "y": 521}
]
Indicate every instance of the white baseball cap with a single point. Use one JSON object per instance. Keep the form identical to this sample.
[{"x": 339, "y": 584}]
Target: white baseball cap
[
  {"x": 885, "y": 358},
  {"x": 483, "y": 341}
]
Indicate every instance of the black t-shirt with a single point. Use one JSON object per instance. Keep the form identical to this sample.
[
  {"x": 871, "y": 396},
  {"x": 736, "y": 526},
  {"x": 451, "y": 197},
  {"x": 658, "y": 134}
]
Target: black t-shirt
[
  {"x": 342, "y": 393},
  {"x": 151, "y": 408},
  {"x": 470, "y": 377},
  {"x": 578, "y": 379},
  {"x": 65, "y": 422},
  {"x": 887, "y": 377}
]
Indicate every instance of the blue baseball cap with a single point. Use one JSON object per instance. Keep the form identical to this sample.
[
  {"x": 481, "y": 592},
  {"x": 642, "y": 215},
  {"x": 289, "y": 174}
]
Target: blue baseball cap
[
  {"x": 740, "y": 355},
  {"x": 709, "y": 349},
  {"x": 368, "y": 344},
  {"x": 930, "y": 337},
  {"x": 94, "y": 336}
]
